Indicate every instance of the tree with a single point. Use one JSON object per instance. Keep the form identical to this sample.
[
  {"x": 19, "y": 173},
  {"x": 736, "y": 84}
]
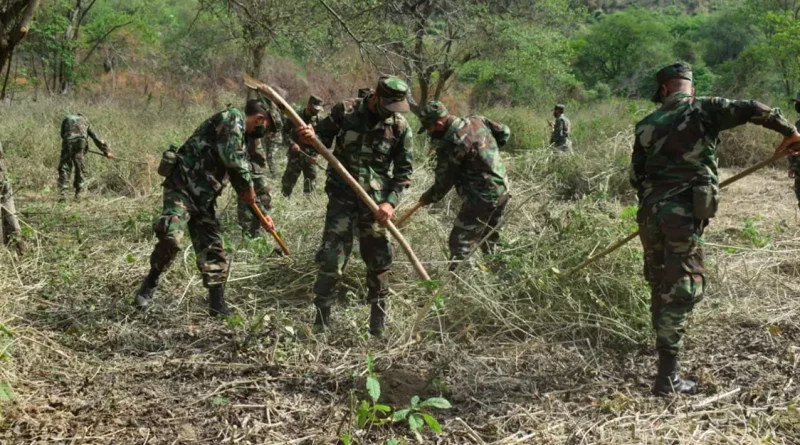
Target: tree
[{"x": 15, "y": 19}]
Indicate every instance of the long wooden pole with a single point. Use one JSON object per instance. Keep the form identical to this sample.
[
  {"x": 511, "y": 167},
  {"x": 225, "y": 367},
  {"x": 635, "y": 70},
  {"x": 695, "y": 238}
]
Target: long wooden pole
[
  {"x": 267, "y": 91},
  {"x": 633, "y": 235}
]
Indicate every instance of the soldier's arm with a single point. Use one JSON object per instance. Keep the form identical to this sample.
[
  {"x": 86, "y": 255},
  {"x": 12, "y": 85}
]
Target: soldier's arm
[
  {"x": 64, "y": 129},
  {"x": 256, "y": 152},
  {"x": 732, "y": 113},
  {"x": 638, "y": 168},
  {"x": 402, "y": 167},
  {"x": 446, "y": 171},
  {"x": 230, "y": 135},
  {"x": 500, "y": 131},
  {"x": 328, "y": 128}
]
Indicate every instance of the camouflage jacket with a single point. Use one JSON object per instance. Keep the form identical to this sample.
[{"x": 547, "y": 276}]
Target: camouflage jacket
[
  {"x": 367, "y": 147},
  {"x": 675, "y": 146},
  {"x": 468, "y": 157},
  {"x": 77, "y": 126},
  {"x": 257, "y": 152},
  {"x": 561, "y": 130},
  {"x": 214, "y": 153},
  {"x": 794, "y": 161},
  {"x": 289, "y": 133}
]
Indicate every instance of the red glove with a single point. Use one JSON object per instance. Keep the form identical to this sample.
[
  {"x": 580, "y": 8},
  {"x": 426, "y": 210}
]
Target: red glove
[{"x": 248, "y": 196}]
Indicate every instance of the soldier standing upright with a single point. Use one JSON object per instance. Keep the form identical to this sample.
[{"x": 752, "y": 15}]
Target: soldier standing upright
[
  {"x": 371, "y": 140},
  {"x": 256, "y": 156},
  {"x": 75, "y": 128},
  {"x": 10, "y": 230},
  {"x": 301, "y": 158},
  {"x": 197, "y": 176},
  {"x": 674, "y": 172},
  {"x": 468, "y": 157},
  {"x": 562, "y": 129}
]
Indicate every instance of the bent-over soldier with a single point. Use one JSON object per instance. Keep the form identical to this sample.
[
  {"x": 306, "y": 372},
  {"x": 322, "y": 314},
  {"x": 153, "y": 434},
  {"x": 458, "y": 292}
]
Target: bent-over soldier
[
  {"x": 257, "y": 157},
  {"x": 468, "y": 158},
  {"x": 75, "y": 128},
  {"x": 674, "y": 172},
  {"x": 214, "y": 153}
]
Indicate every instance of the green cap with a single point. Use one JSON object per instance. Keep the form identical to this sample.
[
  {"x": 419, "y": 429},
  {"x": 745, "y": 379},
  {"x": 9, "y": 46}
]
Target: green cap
[
  {"x": 678, "y": 70},
  {"x": 392, "y": 92},
  {"x": 433, "y": 110},
  {"x": 364, "y": 92},
  {"x": 315, "y": 102}
]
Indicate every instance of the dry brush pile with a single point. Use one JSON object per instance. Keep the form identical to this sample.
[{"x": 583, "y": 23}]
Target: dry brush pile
[{"x": 521, "y": 355}]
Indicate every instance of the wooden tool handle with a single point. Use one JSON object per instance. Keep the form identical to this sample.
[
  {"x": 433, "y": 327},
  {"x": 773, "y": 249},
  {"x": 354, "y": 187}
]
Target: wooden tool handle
[
  {"x": 266, "y": 227},
  {"x": 400, "y": 222}
]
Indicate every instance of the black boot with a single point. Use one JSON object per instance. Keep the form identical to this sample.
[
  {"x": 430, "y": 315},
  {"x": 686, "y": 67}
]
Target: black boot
[
  {"x": 322, "y": 320},
  {"x": 144, "y": 298},
  {"x": 216, "y": 302},
  {"x": 377, "y": 318},
  {"x": 668, "y": 381}
]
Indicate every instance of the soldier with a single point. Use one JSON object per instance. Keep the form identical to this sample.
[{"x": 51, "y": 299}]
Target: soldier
[
  {"x": 74, "y": 130},
  {"x": 10, "y": 230},
  {"x": 468, "y": 158},
  {"x": 561, "y": 130},
  {"x": 213, "y": 153},
  {"x": 371, "y": 140},
  {"x": 674, "y": 171},
  {"x": 257, "y": 157},
  {"x": 301, "y": 157},
  {"x": 794, "y": 161}
]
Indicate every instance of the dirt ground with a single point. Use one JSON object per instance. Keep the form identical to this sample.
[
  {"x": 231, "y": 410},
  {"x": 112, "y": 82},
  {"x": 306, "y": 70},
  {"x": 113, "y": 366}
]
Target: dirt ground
[{"x": 89, "y": 369}]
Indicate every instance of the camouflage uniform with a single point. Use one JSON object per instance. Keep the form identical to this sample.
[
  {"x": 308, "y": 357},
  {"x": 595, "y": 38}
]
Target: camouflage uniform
[
  {"x": 257, "y": 157},
  {"x": 794, "y": 161},
  {"x": 301, "y": 161},
  {"x": 674, "y": 164},
  {"x": 561, "y": 132},
  {"x": 211, "y": 155},
  {"x": 367, "y": 145},
  {"x": 74, "y": 131},
  {"x": 10, "y": 230},
  {"x": 468, "y": 157},
  {"x": 271, "y": 143}
]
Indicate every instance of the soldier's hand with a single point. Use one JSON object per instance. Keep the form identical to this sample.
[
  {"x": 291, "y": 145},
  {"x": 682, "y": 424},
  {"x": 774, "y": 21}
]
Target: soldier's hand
[
  {"x": 384, "y": 213},
  {"x": 269, "y": 224},
  {"x": 314, "y": 160},
  {"x": 295, "y": 148},
  {"x": 248, "y": 196},
  {"x": 307, "y": 134},
  {"x": 110, "y": 155},
  {"x": 787, "y": 145}
]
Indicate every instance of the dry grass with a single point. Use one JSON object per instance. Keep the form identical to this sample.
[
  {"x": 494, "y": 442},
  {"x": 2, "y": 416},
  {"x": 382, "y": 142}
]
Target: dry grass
[{"x": 523, "y": 357}]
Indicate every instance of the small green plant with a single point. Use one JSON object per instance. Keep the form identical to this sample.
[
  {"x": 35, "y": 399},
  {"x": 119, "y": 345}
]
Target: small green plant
[
  {"x": 417, "y": 415},
  {"x": 370, "y": 411},
  {"x": 751, "y": 233}
]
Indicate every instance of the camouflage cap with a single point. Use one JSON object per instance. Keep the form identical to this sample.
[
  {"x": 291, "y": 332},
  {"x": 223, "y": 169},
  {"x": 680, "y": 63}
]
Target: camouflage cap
[
  {"x": 560, "y": 107},
  {"x": 364, "y": 92},
  {"x": 677, "y": 70},
  {"x": 315, "y": 102},
  {"x": 262, "y": 105},
  {"x": 433, "y": 110},
  {"x": 392, "y": 92}
]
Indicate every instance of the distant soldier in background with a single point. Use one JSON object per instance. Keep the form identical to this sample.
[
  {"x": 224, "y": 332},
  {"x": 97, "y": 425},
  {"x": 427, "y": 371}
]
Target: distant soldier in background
[
  {"x": 301, "y": 158},
  {"x": 10, "y": 230},
  {"x": 468, "y": 158},
  {"x": 75, "y": 128},
  {"x": 271, "y": 143},
  {"x": 562, "y": 129},
  {"x": 794, "y": 161},
  {"x": 212, "y": 155},
  {"x": 256, "y": 156},
  {"x": 674, "y": 172},
  {"x": 373, "y": 142}
]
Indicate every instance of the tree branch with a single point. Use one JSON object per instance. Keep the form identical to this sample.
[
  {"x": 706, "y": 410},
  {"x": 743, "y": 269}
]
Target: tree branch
[{"x": 103, "y": 38}]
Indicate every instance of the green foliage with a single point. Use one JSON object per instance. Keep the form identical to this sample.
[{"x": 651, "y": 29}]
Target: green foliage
[
  {"x": 751, "y": 234},
  {"x": 417, "y": 414}
]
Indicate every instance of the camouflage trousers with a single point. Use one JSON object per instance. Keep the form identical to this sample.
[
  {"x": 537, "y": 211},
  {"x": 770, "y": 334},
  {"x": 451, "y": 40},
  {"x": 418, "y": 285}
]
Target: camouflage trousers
[
  {"x": 269, "y": 150},
  {"x": 181, "y": 212},
  {"x": 296, "y": 164},
  {"x": 673, "y": 266},
  {"x": 563, "y": 145},
  {"x": 72, "y": 157},
  {"x": 345, "y": 212},
  {"x": 247, "y": 221},
  {"x": 472, "y": 224}
]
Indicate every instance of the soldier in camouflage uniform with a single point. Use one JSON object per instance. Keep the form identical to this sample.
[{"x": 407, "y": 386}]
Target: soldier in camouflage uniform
[
  {"x": 371, "y": 140},
  {"x": 212, "y": 154},
  {"x": 10, "y": 230},
  {"x": 271, "y": 143},
  {"x": 674, "y": 171},
  {"x": 561, "y": 130},
  {"x": 301, "y": 158},
  {"x": 257, "y": 158},
  {"x": 794, "y": 161},
  {"x": 75, "y": 128},
  {"x": 468, "y": 157}
]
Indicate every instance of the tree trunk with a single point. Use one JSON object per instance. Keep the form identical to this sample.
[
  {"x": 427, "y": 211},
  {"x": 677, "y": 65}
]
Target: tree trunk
[
  {"x": 5, "y": 82},
  {"x": 13, "y": 32},
  {"x": 256, "y": 61},
  {"x": 70, "y": 36}
]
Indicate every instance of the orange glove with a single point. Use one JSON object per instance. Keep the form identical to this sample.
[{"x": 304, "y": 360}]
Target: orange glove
[{"x": 248, "y": 196}]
